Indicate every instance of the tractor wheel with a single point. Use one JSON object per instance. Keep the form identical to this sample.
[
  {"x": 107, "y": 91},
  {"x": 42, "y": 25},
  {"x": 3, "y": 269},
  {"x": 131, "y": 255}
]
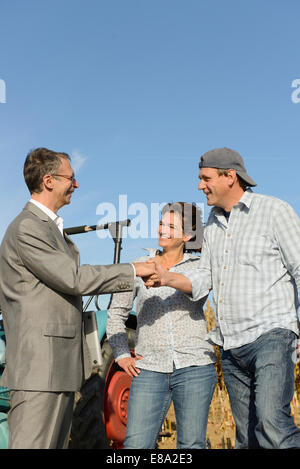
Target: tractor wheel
[
  {"x": 116, "y": 394},
  {"x": 100, "y": 414}
]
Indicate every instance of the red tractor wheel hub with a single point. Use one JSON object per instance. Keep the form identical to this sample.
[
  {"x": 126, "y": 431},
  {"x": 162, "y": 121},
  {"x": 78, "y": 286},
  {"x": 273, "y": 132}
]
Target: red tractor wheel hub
[{"x": 116, "y": 395}]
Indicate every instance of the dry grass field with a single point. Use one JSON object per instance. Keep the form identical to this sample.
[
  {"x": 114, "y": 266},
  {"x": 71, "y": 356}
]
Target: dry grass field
[{"x": 221, "y": 427}]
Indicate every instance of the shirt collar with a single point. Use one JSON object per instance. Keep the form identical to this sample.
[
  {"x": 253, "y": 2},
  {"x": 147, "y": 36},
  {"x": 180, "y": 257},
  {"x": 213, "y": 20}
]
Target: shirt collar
[
  {"x": 57, "y": 220},
  {"x": 246, "y": 200},
  {"x": 186, "y": 255}
]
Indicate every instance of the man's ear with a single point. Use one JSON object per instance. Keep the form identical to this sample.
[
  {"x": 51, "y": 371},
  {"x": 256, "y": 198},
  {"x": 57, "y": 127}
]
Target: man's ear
[
  {"x": 48, "y": 181},
  {"x": 232, "y": 177}
]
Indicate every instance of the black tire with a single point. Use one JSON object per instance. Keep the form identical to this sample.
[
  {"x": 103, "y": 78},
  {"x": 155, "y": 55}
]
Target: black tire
[
  {"x": 88, "y": 431},
  {"x": 88, "y": 425}
]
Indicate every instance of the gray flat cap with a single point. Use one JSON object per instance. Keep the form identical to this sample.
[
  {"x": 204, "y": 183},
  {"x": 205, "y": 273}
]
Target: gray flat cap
[{"x": 225, "y": 158}]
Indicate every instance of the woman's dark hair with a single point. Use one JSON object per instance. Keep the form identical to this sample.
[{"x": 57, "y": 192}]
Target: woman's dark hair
[
  {"x": 38, "y": 163},
  {"x": 191, "y": 217}
]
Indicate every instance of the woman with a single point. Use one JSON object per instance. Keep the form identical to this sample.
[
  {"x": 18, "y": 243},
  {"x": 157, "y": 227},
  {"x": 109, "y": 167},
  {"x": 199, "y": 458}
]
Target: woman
[{"x": 173, "y": 362}]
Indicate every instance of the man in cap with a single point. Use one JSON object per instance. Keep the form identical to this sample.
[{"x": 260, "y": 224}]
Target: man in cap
[{"x": 251, "y": 260}]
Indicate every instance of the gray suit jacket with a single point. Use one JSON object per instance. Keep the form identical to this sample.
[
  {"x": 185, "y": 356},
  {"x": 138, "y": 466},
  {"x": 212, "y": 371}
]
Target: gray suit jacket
[{"x": 41, "y": 284}]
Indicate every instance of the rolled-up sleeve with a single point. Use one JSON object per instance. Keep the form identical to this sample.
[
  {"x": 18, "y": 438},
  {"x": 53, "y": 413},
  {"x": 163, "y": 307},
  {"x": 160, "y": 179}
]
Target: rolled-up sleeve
[{"x": 200, "y": 278}]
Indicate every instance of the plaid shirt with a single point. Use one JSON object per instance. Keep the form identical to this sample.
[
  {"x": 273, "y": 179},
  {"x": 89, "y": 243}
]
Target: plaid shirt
[{"x": 252, "y": 263}]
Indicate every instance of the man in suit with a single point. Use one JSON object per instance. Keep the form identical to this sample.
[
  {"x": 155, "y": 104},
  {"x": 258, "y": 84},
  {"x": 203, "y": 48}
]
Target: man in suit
[{"x": 41, "y": 288}]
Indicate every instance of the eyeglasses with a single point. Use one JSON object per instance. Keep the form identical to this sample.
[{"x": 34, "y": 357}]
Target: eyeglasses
[{"x": 71, "y": 178}]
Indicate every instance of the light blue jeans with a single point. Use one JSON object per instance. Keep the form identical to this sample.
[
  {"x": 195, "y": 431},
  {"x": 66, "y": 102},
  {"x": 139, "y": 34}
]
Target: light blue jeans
[
  {"x": 260, "y": 381},
  {"x": 191, "y": 390}
]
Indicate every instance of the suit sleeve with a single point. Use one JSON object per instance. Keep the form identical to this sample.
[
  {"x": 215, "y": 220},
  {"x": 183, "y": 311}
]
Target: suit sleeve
[{"x": 55, "y": 267}]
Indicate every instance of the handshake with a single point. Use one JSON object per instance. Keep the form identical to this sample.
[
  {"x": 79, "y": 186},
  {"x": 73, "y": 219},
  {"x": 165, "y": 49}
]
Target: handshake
[{"x": 152, "y": 273}]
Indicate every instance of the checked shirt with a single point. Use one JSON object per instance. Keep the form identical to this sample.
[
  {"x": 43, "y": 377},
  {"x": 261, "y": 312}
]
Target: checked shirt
[{"x": 252, "y": 264}]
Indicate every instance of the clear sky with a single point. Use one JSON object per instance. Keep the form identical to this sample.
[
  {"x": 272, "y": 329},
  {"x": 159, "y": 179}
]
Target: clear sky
[{"x": 136, "y": 90}]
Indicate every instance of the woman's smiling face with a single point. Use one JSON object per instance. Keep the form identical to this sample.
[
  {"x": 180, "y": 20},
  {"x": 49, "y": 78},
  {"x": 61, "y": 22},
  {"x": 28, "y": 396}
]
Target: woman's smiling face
[{"x": 170, "y": 232}]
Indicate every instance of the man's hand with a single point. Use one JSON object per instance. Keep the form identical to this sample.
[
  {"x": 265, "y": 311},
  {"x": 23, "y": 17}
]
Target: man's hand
[
  {"x": 162, "y": 277},
  {"x": 159, "y": 278},
  {"x": 128, "y": 365},
  {"x": 144, "y": 269}
]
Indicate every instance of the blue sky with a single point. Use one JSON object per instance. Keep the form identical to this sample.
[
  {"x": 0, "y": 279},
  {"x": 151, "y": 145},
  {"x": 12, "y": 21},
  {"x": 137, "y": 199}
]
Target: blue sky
[{"x": 137, "y": 90}]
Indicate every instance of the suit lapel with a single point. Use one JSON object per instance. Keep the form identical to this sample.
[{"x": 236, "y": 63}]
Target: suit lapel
[
  {"x": 58, "y": 236},
  {"x": 37, "y": 211},
  {"x": 64, "y": 241}
]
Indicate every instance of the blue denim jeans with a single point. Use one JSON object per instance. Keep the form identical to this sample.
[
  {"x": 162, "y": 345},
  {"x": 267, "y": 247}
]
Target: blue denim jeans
[
  {"x": 260, "y": 381},
  {"x": 151, "y": 393}
]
